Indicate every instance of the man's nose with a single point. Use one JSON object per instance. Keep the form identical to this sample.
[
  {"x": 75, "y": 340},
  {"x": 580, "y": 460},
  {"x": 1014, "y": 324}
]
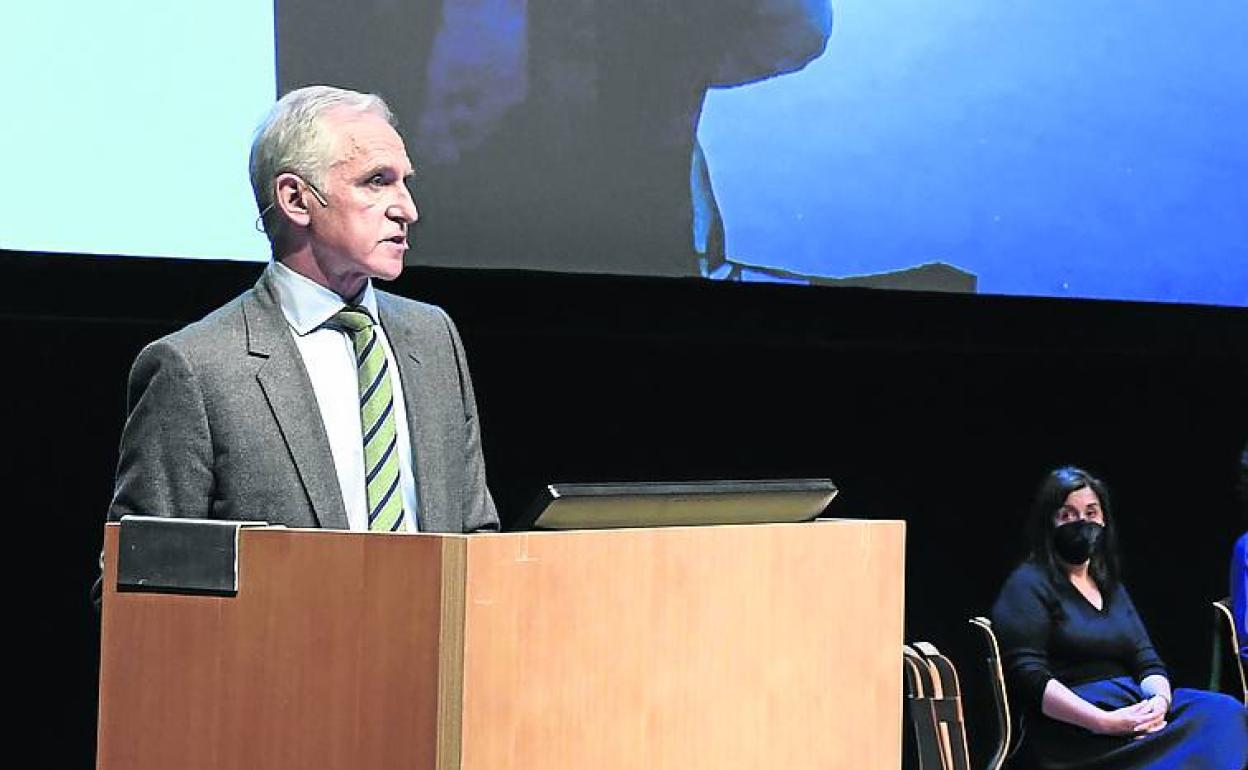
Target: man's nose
[{"x": 404, "y": 209}]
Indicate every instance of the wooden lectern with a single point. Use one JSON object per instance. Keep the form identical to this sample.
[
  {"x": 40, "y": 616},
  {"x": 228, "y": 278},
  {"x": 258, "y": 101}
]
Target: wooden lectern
[{"x": 767, "y": 647}]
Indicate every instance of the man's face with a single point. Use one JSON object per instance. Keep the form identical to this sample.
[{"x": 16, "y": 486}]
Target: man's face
[{"x": 363, "y": 230}]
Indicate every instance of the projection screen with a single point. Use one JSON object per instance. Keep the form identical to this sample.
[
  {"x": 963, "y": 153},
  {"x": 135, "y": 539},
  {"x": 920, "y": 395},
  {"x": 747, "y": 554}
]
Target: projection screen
[{"x": 1067, "y": 148}]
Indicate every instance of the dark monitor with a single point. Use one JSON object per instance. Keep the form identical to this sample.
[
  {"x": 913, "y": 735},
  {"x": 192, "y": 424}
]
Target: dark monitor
[{"x": 670, "y": 504}]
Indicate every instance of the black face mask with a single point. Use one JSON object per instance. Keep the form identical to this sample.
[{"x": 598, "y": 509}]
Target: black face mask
[{"x": 1076, "y": 541}]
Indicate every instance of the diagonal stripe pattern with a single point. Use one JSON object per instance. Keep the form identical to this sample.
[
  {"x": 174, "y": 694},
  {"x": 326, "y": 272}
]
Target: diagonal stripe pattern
[{"x": 381, "y": 459}]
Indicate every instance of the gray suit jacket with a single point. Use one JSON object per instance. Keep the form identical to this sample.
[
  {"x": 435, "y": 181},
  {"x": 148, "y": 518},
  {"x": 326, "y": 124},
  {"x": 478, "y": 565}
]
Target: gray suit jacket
[{"x": 223, "y": 423}]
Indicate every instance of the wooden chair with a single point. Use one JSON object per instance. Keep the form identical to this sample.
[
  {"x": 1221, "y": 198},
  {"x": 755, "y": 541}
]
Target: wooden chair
[
  {"x": 1010, "y": 727},
  {"x": 919, "y": 689},
  {"x": 1226, "y": 651},
  {"x": 935, "y": 701}
]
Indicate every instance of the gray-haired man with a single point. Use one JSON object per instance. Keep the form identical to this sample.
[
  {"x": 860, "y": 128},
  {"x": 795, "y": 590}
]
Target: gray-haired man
[{"x": 314, "y": 400}]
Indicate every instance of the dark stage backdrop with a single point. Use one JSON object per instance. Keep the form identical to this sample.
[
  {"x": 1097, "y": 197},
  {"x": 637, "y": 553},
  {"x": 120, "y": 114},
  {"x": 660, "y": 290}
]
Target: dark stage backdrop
[{"x": 941, "y": 410}]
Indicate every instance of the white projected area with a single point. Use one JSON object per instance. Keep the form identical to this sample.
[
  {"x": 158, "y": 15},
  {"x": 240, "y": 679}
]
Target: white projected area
[{"x": 127, "y": 126}]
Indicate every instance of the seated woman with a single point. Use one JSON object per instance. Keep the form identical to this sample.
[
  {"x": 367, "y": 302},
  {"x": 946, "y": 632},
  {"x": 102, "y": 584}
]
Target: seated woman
[{"x": 1080, "y": 662}]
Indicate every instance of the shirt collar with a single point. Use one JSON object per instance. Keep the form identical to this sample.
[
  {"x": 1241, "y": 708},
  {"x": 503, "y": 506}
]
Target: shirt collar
[{"x": 307, "y": 304}]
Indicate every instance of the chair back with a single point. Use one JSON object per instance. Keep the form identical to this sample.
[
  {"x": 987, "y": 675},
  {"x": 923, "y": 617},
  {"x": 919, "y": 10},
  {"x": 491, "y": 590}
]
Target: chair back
[
  {"x": 1010, "y": 726},
  {"x": 935, "y": 700},
  {"x": 1226, "y": 651}
]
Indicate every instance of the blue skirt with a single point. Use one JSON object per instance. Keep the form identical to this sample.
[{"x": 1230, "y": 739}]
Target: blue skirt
[{"x": 1205, "y": 731}]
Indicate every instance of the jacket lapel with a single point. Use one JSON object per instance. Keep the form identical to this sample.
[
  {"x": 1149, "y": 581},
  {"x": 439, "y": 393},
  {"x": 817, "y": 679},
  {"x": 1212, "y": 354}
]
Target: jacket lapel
[{"x": 286, "y": 387}]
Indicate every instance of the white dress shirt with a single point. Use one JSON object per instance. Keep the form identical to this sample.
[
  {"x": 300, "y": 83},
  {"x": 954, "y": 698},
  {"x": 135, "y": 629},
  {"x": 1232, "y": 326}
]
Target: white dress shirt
[{"x": 329, "y": 358}]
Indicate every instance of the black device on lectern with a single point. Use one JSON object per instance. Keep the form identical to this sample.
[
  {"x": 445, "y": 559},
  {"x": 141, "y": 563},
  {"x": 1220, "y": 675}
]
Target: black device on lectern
[{"x": 618, "y": 505}]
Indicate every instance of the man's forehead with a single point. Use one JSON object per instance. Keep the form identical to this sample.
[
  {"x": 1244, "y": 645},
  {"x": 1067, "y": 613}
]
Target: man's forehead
[{"x": 363, "y": 137}]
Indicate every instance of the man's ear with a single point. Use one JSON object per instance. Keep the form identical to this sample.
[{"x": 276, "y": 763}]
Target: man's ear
[{"x": 291, "y": 198}]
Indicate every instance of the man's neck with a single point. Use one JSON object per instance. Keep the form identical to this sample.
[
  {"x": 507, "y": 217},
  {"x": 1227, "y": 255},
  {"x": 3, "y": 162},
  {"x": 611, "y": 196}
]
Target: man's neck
[{"x": 304, "y": 263}]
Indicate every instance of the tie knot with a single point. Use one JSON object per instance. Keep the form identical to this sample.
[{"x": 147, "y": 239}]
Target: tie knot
[{"x": 352, "y": 318}]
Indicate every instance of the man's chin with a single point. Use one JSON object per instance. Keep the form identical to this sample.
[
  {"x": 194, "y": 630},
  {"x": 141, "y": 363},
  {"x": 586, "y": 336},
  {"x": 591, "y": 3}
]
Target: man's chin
[{"x": 391, "y": 267}]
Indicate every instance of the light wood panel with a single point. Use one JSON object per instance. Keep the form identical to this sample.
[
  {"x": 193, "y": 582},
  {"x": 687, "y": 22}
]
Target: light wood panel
[
  {"x": 728, "y": 647},
  {"x": 327, "y": 658}
]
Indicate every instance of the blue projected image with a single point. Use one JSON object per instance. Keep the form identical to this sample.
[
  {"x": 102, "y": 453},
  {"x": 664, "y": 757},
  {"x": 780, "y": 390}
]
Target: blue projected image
[
  {"x": 1072, "y": 148},
  {"x": 1067, "y": 148}
]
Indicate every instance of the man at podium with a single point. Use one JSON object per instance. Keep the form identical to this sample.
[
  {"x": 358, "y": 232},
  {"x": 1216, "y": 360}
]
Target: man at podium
[{"x": 314, "y": 399}]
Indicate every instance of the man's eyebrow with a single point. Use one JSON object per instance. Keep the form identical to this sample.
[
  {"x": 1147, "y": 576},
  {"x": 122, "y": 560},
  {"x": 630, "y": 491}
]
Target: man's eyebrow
[{"x": 385, "y": 169}]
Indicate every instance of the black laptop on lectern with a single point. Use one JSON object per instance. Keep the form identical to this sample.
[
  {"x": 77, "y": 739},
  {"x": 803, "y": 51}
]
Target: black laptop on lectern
[{"x": 676, "y": 504}]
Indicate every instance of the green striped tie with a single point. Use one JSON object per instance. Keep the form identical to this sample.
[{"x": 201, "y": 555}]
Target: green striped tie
[{"x": 381, "y": 452}]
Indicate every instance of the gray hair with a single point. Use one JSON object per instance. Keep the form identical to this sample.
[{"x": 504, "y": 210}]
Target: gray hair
[{"x": 292, "y": 139}]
